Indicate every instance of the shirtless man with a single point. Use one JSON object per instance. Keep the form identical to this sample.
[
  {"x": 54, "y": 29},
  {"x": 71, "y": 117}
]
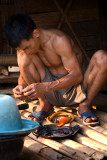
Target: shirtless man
[{"x": 51, "y": 69}]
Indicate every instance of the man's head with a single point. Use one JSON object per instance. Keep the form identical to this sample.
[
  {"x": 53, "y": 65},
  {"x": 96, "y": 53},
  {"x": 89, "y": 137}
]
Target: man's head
[{"x": 19, "y": 27}]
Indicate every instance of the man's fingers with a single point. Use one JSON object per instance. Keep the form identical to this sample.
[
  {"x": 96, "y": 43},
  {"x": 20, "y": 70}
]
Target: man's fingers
[
  {"x": 29, "y": 93},
  {"x": 27, "y": 89},
  {"x": 17, "y": 92}
]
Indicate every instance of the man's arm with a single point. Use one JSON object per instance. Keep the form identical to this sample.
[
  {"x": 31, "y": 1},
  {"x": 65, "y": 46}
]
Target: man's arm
[{"x": 64, "y": 49}]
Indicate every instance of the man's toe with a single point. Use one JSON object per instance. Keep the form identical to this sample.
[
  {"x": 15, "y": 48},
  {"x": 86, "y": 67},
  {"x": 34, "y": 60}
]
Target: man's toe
[
  {"x": 94, "y": 118},
  {"x": 88, "y": 120},
  {"x": 30, "y": 118}
]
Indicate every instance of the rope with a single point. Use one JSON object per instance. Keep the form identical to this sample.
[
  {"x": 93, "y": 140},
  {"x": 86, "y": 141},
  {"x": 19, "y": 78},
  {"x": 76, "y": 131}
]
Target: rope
[{"x": 69, "y": 117}]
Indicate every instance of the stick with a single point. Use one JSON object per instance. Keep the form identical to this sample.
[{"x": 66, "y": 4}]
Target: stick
[
  {"x": 65, "y": 12},
  {"x": 69, "y": 25}
]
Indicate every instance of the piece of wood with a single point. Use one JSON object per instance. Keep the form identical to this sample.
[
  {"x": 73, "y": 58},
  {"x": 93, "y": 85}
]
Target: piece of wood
[
  {"x": 80, "y": 147},
  {"x": 92, "y": 133},
  {"x": 6, "y": 91},
  {"x": 4, "y": 70},
  {"x": 101, "y": 102},
  {"x": 42, "y": 149},
  {"x": 25, "y": 114},
  {"x": 68, "y": 151},
  {"x": 65, "y": 12},
  {"x": 103, "y": 124},
  {"x": 98, "y": 128},
  {"x": 8, "y": 60},
  {"x": 28, "y": 154},
  {"x": 91, "y": 143},
  {"x": 72, "y": 30},
  {"x": 51, "y": 18},
  {"x": 11, "y": 78},
  {"x": 101, "y": 115}
]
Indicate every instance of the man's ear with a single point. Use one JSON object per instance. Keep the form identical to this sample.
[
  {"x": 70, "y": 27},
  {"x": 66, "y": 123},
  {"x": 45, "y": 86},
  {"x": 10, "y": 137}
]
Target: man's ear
[{"x": 36, "y": 33}]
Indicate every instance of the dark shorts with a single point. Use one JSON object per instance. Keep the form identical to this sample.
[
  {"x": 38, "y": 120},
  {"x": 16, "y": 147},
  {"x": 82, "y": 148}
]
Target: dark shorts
[{"x": 65, "y": 97}]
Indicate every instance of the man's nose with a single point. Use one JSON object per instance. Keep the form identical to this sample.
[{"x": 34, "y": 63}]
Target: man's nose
[{"x": 27, "y": 51}]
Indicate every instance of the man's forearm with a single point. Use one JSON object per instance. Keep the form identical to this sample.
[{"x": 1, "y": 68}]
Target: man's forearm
[
  {"x": 21, "y": 81},
  {"x": 64, "y": 82}
]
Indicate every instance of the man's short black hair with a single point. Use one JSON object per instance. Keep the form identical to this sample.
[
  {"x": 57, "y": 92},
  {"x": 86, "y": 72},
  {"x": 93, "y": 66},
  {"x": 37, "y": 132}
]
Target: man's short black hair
[{"x": 19, "y": 27}]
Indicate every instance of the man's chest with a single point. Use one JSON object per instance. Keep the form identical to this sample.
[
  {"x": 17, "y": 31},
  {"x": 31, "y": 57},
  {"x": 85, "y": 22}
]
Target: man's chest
[{"x": 49, "y": 58}]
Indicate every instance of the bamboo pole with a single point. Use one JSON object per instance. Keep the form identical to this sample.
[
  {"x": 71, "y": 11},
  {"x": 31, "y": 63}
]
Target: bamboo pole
[
  {"x": 42, "y": 149},
  {"x": 71, "y": 28},
  {"x": 91, "y": 143},
  {"x": 65, "y": 12},
  {"x": 24, "y": 113},
  {"x": 80, "y": 147},
  {"x": 96, "y": 128},
  {"x": 8, "y": 60},
  {"x": 101, "y": 115},
  {"x": 103, "y": 124},
  {"x": 68, "y": 151},
  {"x": 92, "y": 133}
]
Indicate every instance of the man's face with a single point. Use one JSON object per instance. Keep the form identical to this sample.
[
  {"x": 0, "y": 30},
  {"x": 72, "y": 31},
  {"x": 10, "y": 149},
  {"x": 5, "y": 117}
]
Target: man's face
[{"x": 30, "y": 46}]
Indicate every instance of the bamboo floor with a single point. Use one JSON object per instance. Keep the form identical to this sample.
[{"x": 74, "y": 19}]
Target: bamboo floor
[{"x": 87, "y": 143}]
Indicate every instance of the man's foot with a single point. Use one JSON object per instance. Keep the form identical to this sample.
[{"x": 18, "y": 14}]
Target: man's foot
[
  {"x": 89, "y": 118},
  {"x": 41, "y": 112}
]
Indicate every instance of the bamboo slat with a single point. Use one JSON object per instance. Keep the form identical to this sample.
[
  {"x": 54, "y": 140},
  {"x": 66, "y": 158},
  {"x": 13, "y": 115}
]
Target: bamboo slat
[
  {"x": 80, "y": 147},
  {"x": 92, "y": 133},
  {"x": 8, "y": 60},
  {"x": 42, "y": 149},
  {"x": 101, "y": 115},
  {"x": 68, "y": 151},
  {"x": 91, "y": 143},
  {"x": 98, "y": 128},
  {"x": 11, "y": 78},
  {"x": 103, "y": 124}
]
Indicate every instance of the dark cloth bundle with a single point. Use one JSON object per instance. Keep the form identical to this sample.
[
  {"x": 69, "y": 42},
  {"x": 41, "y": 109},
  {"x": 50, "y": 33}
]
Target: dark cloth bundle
[{"x": 52, "y": 131}]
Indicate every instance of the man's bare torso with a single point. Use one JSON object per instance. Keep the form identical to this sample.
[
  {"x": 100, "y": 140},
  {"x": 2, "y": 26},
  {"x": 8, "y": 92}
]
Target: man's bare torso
[{"x": 47, "y": 52}]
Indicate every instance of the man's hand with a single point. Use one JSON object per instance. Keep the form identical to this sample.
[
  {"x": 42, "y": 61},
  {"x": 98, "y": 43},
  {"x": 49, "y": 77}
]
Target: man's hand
[
  {"x": 17, "y": 91},
  {"x": 34, "y": 90}
]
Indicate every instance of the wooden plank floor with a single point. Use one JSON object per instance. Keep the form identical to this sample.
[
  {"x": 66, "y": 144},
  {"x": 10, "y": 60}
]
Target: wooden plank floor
[{"x": 88, "y": 143}]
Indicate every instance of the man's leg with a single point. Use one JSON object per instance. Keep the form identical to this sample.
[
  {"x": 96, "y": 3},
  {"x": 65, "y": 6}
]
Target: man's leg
[
  {"x": 94, "y": 79},
  {"x": 30, "y": 75}
]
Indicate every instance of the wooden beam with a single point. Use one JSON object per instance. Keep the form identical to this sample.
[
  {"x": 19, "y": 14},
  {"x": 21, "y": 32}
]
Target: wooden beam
[
  {"x": 11, "y": 78},
  {"x": 51, "y": 18},
  {"x": 8, "y": 60}
]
